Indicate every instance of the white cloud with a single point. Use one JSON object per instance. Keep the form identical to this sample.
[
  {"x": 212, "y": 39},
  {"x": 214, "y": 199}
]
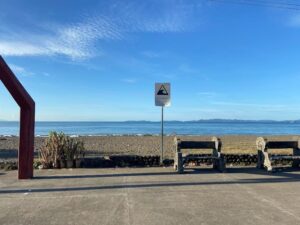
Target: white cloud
[
  {"x": 20, "y": 70},
  {"x": 187, "y": 68},
  {"x": 129, "y": 81},
  {"x": 74, "y": 41},
  {"x": 80, "y": 40},
  {"x": 294, "y": 21},
  {"x": 151, "y": 54},
  {"x": 16, "y": 69},
  {"x": 253, "y": 105},
  {"x": 46, "y": 74},
  {"x": 207, "y": 94},
  {"x": 18, "y": 48}
]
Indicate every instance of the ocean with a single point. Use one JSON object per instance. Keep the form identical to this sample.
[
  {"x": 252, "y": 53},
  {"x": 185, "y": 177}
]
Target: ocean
[{"x": 154, "y": 128}]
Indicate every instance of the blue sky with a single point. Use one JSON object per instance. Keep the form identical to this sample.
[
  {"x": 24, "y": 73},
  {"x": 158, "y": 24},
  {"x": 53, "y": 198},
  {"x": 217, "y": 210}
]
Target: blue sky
[{"x": 99, "y": 60}]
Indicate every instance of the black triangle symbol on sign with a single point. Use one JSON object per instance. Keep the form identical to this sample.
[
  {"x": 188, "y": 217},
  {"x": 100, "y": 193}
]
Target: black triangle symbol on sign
[{"x": 162, "y": 91}]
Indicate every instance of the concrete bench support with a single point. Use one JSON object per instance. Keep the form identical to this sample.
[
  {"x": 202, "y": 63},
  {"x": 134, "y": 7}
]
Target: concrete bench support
[
  {"x": 215, "y": 144},
  {"x": 264, "y": 159}
]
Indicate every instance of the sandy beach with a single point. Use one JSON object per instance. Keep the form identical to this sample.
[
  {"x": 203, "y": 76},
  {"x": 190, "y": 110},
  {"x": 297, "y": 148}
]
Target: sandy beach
[{"x": 143, "y": 145}]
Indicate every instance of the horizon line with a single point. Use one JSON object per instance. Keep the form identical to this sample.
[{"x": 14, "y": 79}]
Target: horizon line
[{"x": 155, "y": 121}]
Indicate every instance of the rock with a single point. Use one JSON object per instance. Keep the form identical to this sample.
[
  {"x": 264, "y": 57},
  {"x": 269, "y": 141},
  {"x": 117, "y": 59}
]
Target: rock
[{"x": 10, "y": 166}]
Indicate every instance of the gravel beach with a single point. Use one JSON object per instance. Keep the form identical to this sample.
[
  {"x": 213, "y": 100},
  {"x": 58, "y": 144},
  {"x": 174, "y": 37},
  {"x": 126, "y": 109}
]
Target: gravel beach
[{"x": 142, "y": 145}]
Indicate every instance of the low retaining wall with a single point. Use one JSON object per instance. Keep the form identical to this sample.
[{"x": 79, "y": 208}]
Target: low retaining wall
[
  {"x": 238, "y": 160},
  {"x": 153, "y": 161},
  {"x": 121, "y": 161}
]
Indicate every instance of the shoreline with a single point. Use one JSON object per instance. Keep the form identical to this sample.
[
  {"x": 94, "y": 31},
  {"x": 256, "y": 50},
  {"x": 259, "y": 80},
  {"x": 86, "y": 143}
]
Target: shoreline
[
  {"x": 148, "y": 145},
  {"x": 119, "y": 151},
  {"x": 154, "y": 135}
]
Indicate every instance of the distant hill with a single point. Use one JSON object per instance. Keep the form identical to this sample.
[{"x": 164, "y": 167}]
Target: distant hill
[
  {"x": 243, "y": 121},
  {"x": 176, "y": 121},
  {"x": 216, "y": 121}
]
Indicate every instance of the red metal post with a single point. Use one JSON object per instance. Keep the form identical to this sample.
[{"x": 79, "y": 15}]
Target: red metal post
[{"x": 27, "y": 119}]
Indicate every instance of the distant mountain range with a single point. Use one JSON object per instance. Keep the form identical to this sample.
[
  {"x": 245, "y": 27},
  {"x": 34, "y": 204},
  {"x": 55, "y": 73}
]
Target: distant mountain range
[
  {"x": 245, "y": 121},
  {"x": 180, "y": 121},
  {"x": 224, "y": 121}
]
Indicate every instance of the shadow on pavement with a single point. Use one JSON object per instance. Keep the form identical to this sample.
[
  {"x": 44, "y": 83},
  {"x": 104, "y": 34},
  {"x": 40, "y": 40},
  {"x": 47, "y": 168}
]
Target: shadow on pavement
[
  {"x": 282, "y": 177},
  {"x": 130, "y": 186},
  {"x": 247, "y": 170},
  {"x": 104, "y": 175}
]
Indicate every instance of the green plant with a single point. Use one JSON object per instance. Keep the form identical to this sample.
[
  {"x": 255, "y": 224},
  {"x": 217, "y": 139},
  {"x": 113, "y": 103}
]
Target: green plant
[
  {"x": 53, "y": 149},
  {"x": 59, "y": 147},
  {"x": 74, "y": 148},
  {"x": 80, "y": 152}
]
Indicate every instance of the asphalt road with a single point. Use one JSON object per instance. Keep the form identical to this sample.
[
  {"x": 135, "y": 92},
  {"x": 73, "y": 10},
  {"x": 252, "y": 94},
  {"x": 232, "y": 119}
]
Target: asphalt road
[{"x": 143, "y": 196}]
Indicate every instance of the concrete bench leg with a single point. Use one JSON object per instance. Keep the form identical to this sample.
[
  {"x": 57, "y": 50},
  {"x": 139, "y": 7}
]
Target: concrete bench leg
[
  {"x": 263, "y": 160},
  {"x": 296, "y": 162},
  {"x": 218, "y": 161},
  {"x": 215, "y": 162},
  {"x": 219, "y": 164},
  {"x": 178, "y": 163},
  {"x": 267, "y": 162},
  {"x": 222, "y": 164},
  {"x": 260, "y": 160},
  {"x": 175, "y": 161}
]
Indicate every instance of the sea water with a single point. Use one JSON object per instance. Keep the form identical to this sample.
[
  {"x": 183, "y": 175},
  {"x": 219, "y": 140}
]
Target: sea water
[{"x": 154, "y": 128}]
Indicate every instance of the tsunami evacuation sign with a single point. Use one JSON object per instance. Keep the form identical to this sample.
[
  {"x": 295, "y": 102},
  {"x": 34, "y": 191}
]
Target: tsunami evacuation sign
[
  {"x": 162, "y": 98},
  {"x": 162, "y": 94}
]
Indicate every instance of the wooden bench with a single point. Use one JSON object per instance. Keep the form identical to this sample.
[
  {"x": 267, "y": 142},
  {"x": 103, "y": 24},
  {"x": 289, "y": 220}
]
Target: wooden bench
[
  {"x": 216, "y": 157},
  {"x": 264, "y": 159}
]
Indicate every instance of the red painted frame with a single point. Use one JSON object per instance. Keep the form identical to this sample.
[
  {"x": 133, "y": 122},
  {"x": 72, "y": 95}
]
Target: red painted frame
[{"x": 27, "y": 119}]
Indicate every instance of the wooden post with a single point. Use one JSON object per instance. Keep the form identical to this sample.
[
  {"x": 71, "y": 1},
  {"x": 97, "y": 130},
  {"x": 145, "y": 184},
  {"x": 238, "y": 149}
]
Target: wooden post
[{"x": 27, "y": 118}]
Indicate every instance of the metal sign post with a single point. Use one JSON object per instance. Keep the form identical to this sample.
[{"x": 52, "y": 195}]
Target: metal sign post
[
  {"x": 162, "y": 136},
  {"x": 162, "y": 98}
]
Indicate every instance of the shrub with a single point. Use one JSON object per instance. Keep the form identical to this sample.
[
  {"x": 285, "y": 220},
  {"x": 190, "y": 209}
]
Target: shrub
[
  {"x": 74, "y": 149},
  {"x": 58, "y": 148}
]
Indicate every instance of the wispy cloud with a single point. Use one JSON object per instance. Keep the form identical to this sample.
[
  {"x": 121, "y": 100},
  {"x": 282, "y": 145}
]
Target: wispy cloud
[
  {"x": 151, "y": 54},
  {"x": 73, "y": 40},
  {"x": 20, "y": 70},
  {"x": 186, "y": 68},
  {"x": 46, "y": 74},
  {"x": 294, "y": 20},
  {"x": 207, "y": 94},
  {"x": 157, "y": 54},
  {"x": 155, "y": 16},
  {"x": 252, "y": 105},
  {"x": 80, "y": 40},
  {"x": 18, "y": 48},
  {"x": 129, "y": 80}
]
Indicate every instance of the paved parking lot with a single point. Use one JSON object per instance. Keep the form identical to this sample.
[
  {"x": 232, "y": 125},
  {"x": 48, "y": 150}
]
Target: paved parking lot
[{"x": 151, "y": 196}]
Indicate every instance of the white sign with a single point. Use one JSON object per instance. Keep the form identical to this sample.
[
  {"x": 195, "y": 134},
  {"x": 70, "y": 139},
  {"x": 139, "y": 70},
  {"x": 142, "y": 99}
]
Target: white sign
[{"x": 162, "y": 94}]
